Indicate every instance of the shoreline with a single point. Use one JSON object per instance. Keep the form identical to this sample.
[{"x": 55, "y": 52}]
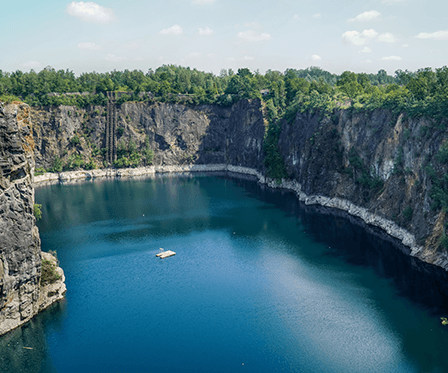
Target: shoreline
[{"x": 389, "y": 227}]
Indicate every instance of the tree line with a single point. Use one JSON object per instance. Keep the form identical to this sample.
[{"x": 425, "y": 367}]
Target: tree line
[
  {"x": 419, "y": 93},
  {"x": 168, "y": 83}
]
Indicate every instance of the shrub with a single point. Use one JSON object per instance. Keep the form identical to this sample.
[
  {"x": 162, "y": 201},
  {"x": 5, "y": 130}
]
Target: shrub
[
  {"x": 274, "y": 163},
  {"x": 8, "y": 99},
  {"x": 444, "y": 241},
  {"x": 39, "y": 171},
  {"x": 49, "y": 274},
  {"x": 57, "y": 165},
  {"x": 37, "y": 211},
  {"x": 75, "y": 140},
  {"x": 149, "y": 156},
  {"x": 442, "y": 155},
  {"x": 407, "y": 213},
  {"x": 91, "y": 165}
]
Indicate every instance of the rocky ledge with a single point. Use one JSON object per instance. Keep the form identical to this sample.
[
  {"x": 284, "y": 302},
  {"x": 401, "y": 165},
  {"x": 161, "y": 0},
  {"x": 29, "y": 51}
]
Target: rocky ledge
[
  {"x": 391, "y": 228},
  {"x": 21, "y": 289}
]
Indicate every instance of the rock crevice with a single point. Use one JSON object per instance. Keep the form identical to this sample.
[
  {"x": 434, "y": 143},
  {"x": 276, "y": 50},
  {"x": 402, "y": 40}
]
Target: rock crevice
[{"x": 20, "y": 251}]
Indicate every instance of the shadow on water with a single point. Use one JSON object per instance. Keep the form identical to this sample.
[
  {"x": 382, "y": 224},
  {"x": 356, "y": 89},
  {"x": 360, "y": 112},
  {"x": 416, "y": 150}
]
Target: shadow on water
[
  {"x": 24, "y": 349},
  {"x": 346, "y": 239},
  {"x": 358, "y": 244},
  {"x": 345, "y": 236}
]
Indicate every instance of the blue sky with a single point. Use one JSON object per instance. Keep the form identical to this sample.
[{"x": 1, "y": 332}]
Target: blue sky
[{"x": 210, "y": 35}]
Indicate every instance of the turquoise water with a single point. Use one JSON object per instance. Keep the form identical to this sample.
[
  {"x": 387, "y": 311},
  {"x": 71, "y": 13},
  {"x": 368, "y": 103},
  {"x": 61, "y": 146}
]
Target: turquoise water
[{"x": 257, "y": 285}]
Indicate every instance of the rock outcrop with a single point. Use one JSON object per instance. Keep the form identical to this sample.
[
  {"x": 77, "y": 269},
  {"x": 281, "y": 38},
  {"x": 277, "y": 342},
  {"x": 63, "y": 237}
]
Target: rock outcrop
[
  {"x": 374, "y": 165},
  {"x": 177, "y": 134},
  {"x": 20, "y": 254},
  {"x": 371, "y": 165}
]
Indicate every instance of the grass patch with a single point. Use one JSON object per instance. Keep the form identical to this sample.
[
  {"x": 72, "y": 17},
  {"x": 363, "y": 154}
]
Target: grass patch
[{"x": 49, "y": 273}]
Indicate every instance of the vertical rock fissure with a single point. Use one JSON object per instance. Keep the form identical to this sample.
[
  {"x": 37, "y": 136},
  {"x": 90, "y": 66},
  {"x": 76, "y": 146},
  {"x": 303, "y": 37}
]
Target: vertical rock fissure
[
  {"x": 21, "y": 293},
  {"x": 111, "y": 120}
]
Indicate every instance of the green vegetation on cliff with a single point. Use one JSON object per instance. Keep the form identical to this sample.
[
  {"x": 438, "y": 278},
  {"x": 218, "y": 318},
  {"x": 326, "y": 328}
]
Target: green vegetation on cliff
[
  {"x": 170, "y": 83},
  {"x": 420, "y": 93},
  {"x": 49, "y": 273},
  {"x": 423, "y": 93}
]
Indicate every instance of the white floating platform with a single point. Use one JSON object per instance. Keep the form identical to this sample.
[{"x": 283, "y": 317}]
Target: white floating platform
[{"x": 165, "y": 254}]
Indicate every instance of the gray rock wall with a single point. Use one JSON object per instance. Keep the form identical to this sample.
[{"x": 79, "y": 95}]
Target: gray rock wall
[
  {"x": 339, "y": 158},
  {"x": 320, "y": 153},
  {"x": 177, "y": 134},
  {"x": 20, "y": 254},
  {"x": 332, "y": 162}
]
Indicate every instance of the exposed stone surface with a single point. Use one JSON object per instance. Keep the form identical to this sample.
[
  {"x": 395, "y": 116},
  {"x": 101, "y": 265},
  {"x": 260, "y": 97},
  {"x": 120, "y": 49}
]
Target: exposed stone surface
[
  {"x": 51, "y": 292},
  {"x": 391, "y": 148},
  {"x": 316, "y": 151},
  {"x": 20, "y": 255},
  {"x": 319, "y": 154},
  {"x": 176, "y": 133}
]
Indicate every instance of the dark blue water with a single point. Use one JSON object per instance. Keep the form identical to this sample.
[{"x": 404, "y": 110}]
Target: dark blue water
[{"x": 251, "y": 289}]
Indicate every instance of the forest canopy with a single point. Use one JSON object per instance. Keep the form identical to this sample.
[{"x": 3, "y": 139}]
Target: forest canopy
[{"x": 423, "y": 92}]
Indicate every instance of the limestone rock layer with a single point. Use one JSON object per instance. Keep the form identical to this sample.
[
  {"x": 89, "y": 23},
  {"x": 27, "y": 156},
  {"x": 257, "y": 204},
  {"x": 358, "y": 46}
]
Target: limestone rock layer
[
  {"x": 373, "y": 160},
  {"x": 373, "y": 165},
  {"x": 20, "y": 252}
]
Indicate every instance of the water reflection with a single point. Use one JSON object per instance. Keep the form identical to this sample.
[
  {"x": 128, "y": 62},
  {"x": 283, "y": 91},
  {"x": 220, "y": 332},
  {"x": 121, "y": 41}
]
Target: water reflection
[
  {"x": 25, "y": 349},
  {"x": 371, "y": 249},
  {"x": 355, "y": 242},
  {"x": 250, "y": 280}
]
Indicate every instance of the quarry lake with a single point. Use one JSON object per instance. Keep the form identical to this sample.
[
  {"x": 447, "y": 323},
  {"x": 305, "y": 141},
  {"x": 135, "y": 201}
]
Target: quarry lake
[{"x": 259, "y": 283}]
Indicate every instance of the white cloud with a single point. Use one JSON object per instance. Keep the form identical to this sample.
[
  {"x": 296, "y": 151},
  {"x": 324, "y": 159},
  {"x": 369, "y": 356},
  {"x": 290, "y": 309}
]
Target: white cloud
[
  {"x": 173, "y": 30},
  {"x": 253, "y": 36},
  {"x": 367, "y": 61},
  {"x": 365, "y": 50},
  {"x": 203, "y": 2},
  {"x": 296, "y": 17},
  {"x": 357, "y": 38},
  {"x": 315, "y": 58},
  {"x": 90, "y": 12},
  {"x": 366, "y": 16},
  {"x": 113, "y": 58},
  {"x": 387, "y": 37},
  {"x": 405, "y": 46},
  {"x": 248, "y": 58},
  {"x": 317, "y": 15},
  {"x": 391, "y": 58},
  {"x": 438, "y": 35},
  {"x": 89, "y": 46},
  {"x": 370, "y": 33},
  {"x": 205, "y": 31},
  {"x": 35, "y": 65}
]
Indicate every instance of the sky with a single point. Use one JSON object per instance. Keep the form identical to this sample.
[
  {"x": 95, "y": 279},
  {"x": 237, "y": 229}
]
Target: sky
[{"x": 210, "y": 35}]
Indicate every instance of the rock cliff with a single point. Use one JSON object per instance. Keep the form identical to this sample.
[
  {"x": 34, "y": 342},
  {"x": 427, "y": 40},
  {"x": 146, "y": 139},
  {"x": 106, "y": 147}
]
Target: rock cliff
[
  {"x": 371, "y": 164},
  {"x": 377, "y": 161},
  {"x": 21, "y": 293},
  {"x": 177, "y": 134},
  {"x": 376, "y": 166}
]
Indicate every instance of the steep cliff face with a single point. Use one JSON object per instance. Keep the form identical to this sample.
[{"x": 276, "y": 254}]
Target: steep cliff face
[
  {"x": 20, "y": 254},
  {"x": 176, "y": 133},
  {"x": 375, "y": 160},
  {"x": 376, "y": 166}
]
